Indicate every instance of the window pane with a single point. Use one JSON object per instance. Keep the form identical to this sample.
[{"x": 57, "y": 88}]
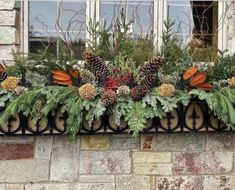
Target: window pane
[
  {"x": 139, "y": 12},
  {"x": 196, "y": 24},
  {"x": 58, "y": 26}
]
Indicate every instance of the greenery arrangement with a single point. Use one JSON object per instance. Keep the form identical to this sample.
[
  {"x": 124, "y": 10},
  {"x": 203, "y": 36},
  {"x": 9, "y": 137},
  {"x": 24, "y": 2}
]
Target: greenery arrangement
[{"x": 125, "y": 87}]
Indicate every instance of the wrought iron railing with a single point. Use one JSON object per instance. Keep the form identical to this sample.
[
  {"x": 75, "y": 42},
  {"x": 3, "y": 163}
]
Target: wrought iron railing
[{"x": 194, "y": 117}]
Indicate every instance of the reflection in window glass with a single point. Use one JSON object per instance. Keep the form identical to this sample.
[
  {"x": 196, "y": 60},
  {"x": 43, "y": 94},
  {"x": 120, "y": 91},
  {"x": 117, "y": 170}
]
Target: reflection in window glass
[
  {"x": 196, "y": 25},
  {"x": 58, "y": 27},
  {"x": 139, "y": 12}
]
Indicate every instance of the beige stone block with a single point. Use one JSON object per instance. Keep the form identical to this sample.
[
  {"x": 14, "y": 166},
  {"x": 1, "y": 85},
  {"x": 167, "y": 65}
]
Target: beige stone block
[
  {"x": 64, "y": 161},
  {"x": 96, "y": 179},
  {"x": 95, "y": 142},
  {"x": 7, "y": 4},
  {"x": 19, "y": 171},
  {"x": 128, "y": 182},
  {"x": 14, "y": 187},
  {"x": 43, "y": 147},
  {"x": 8, "y": 35},
  {"x": 6, "y": 52},
  {"x": 56, "y": 186},
  {"x": 151, "y": 157},
  {"x": 7, "y": 18},
  {"x": 153, "y": 169},
  {"x": 93, "y": 186}
]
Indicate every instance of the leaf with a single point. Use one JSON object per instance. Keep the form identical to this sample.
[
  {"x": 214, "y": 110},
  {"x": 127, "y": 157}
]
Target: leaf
[{"x": 189, "y": 73}]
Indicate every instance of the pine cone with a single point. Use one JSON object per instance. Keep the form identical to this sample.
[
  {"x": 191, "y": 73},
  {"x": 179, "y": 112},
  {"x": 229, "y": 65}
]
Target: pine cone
[
  {"x": 87, "y": 76},
  {"x": 150, "y": 67},
  {"x": 166, "y": 90},
  {"x": 138, "y": 92},
  {"x": 108, "y": 97},
  {"x": 96, "y": 66},
  {"x": 3, "y": 76},
  {"x": 87, "y": 91}
]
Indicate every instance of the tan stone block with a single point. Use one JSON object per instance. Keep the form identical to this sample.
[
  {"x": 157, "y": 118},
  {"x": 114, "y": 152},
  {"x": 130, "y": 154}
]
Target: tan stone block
[
  {"x": 129, "y": 182},
  {"x": 96, "y": 142},
  {"x": 7, "y": 18},
  {"x": 218, "y": 183},
  {"x": 14, "y": 187},
  {"x": 8, "y": 35},
  {"x": 7, "y": 4},
  {"x": 151, "y": 157},
  {"x": 153, "y": 169}
]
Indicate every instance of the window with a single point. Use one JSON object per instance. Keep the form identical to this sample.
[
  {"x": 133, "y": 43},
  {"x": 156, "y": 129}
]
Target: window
[
  {"x": 58, "y": 26},
  {"x": 61, "y": 25}
]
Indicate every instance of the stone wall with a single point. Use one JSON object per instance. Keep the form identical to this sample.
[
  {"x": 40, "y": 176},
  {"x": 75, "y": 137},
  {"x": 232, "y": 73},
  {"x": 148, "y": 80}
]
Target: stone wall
[
  {"x": 192, "y": 161},
  {"x": 9, "y": 27}
]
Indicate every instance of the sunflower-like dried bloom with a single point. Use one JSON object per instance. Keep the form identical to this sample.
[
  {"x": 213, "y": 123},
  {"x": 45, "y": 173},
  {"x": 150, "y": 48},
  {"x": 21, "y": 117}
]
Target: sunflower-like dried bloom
[
  {"x": 231, "y": 82},
  {"x": 87, "y": 91},
  {"x": 108, "y": 97},
  {"x": 166, "y": 90},
  {"x": 10, "y": 83},
  {"x": 123, "y": 90},
  {"x": 87, "y": 76}
]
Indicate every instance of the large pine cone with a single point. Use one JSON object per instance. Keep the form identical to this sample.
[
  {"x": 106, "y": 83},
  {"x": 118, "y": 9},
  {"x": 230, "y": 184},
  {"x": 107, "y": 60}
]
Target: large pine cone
[
  {"x": 138, "y": 92},
  {"x": 151, "y": 67},
  {"x": 96, "y": 66}
]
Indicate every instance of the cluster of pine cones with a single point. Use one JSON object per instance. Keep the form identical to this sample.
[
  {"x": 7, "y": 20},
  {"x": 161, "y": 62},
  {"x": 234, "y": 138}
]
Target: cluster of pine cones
[{"x": 148, "y": 77}]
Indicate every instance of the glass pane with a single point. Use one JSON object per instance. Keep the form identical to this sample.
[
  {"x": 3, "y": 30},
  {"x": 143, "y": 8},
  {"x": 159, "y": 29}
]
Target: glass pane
[
  {"x": 58, "y": 26},
  {"x": 196, "y": 24},
  {"x": 140, "y": 13}
]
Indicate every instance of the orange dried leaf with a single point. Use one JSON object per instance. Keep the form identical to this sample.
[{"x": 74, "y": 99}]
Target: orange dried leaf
[
  {"x": 205, "y": 86},
  {"x": 65, "y": 83},
  {"x": 75, "y": 73},
  {"x": 199, "y": 78},
  {"x": 60, "y": 73},
  {"x": 189, "y": 73}
]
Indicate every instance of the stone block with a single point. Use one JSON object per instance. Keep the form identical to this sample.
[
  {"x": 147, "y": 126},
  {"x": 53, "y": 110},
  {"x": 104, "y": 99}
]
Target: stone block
[
  {"x": 93, "y": 186},
  {"x": 152, "y": 169},
  {"x": 179, "y": 142},
  {"x": 16, "y": 140},
  {"x": 56, "y": 186},
  {"x": 16, "y": 151},
  {"x": 14, "y": 187},
  {"x": 16, "y": 171},
  {"x": 7, "y": 18},
  {"x": 147, "y": 141},
  {"x": 219, "y": 141},
  {"x": 8, "y": 35},
  {"x": 151, "y": 157},
  {"x": 123, "y": 142},
  {"x": 95, "y": 142},
  {"x": 203, "y": 163},
  {"x": 106, "y": 162},
  {"x": 7, "y": 4},
  {"x": 129, "y": 182},
  {"x": 179, "y": 183},
  {"x": 64, "y": 161},
  {"x": 3, "y": 187},
  {"x": 6, "y": 52},
  {"x": 43, "y": 147},
  {"x": 218, "y": 183},
  {"x": 96, "y": 178}
]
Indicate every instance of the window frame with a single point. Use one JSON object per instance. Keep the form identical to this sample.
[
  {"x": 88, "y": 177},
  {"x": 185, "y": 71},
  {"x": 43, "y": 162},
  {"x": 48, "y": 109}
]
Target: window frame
[{"x": 93, "y": 13}]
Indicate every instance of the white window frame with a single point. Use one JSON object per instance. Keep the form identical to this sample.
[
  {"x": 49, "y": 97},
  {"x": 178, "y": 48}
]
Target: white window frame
[{"x": 93, "y": 12}]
